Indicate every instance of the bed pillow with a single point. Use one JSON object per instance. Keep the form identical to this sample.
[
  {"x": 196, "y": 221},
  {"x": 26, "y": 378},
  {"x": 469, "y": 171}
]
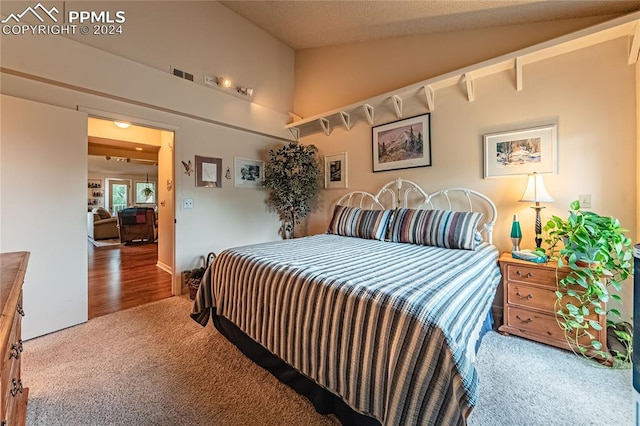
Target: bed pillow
[
  {"x": 440, "y": 228},
  {"x": 360, "y": 223}
]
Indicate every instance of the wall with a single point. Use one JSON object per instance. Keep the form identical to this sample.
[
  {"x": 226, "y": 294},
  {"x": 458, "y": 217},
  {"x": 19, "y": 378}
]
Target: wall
[
  {"x": 331, "y": 77},
  {"x": 589, "y": 94},
  {"x": 58, "y": 71}
]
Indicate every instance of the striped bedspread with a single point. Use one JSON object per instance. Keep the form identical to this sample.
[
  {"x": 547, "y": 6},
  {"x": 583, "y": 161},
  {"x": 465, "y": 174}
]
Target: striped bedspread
[{"x": 388, "y": 327}]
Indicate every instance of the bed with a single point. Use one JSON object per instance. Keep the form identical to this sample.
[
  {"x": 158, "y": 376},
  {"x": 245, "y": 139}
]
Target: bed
[{"x": 377, "y": 321}]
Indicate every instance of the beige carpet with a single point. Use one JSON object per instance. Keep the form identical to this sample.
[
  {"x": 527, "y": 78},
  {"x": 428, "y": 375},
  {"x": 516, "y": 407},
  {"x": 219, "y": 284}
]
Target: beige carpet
[{"x": 153, "y": 365}]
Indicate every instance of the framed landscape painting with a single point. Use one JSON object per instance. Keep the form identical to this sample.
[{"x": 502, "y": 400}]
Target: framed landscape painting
[
  {"x": 521, "y": 152},
  {"x": 402, "y": 144}
]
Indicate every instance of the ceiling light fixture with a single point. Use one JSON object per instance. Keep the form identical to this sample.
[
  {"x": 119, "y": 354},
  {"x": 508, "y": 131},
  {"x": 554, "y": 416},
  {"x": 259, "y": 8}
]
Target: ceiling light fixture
[
  {"x": 226, "y": 83},
  {"x": 122, "y": 124}
]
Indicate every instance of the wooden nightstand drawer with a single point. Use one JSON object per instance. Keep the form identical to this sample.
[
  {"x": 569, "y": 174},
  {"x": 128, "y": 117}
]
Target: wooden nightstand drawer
[
  {"x": 531, "y": 274},
  {"x": 530, "y": 296},
  {"x": 534, "y": 323}
]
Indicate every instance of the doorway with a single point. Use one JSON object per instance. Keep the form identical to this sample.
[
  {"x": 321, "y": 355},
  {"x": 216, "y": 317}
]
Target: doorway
[
  {"x": 126, "y": 159},
  {"x": 117, "y": 195}
]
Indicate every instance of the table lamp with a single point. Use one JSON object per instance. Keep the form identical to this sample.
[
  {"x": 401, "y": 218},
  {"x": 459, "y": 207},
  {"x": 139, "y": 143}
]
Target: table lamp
[
  {"x": 516, "y": 233},
  {"x": 536, "y": 192}
]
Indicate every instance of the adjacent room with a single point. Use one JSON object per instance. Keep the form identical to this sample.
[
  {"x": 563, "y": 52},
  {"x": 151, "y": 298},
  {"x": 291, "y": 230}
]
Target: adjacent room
[{"x": 319, "y": 212}]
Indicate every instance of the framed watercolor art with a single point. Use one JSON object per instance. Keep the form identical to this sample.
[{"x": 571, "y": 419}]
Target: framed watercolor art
[
  {"x": 402, "y": 144},
  {"x": 521, "y": 152}
]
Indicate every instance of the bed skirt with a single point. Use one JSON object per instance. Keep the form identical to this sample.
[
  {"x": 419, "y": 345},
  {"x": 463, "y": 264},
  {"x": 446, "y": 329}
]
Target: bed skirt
[{"x": 323, "y": 400}]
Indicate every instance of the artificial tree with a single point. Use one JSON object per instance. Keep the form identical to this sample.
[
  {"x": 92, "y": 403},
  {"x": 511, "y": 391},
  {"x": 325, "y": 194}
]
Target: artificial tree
[{"x": 293, "y": 177}]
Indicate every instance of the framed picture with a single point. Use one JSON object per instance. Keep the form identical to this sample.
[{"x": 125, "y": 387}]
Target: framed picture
[
  {"x": 208, "y": 172},
  {"x": 248, "y": 173},
  {"x": 402, "y": 144},
  {"x": 335, "y": 171},
  {"x": 521, "y": 152}
]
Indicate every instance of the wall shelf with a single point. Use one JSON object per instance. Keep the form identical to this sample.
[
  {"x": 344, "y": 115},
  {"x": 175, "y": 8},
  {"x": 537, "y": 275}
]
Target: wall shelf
[{"x": 425, "y": 92}]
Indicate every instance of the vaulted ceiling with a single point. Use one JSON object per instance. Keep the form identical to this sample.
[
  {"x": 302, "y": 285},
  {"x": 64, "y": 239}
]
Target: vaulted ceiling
[{"x": 307, "y": 24}]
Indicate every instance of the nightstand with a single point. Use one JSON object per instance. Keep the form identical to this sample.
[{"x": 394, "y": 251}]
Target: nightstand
[{"x": 530, "y": 302}]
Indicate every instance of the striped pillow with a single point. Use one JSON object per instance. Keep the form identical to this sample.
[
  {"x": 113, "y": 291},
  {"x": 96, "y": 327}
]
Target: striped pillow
[
  {"x": 356, "y": 222},
  {"x": 440, "y": 228}
]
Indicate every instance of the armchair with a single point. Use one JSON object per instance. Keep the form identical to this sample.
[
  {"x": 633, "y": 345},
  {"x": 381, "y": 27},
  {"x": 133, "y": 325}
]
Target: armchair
[
  {"x": 137, "y": 224},
  {"x": 101, "y": 225}
]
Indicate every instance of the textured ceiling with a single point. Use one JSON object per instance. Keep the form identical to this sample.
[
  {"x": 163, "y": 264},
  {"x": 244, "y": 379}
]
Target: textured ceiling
[{"x": 305, "y": 24}]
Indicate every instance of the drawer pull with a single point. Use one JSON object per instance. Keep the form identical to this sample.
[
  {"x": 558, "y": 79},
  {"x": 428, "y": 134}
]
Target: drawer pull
[
  {"x": 16, "y": 349},
  {"x": 528, "y": 296},
  {"x": 528, "y": 275},
  {"x": 20, "y": 310},
  {"x": 16, "y": 386},
  {"x": 527, "y": 321}
]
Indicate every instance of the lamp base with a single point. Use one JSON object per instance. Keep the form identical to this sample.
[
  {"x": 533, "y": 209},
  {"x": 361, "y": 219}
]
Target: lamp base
[{"x": 516, "y": 243}]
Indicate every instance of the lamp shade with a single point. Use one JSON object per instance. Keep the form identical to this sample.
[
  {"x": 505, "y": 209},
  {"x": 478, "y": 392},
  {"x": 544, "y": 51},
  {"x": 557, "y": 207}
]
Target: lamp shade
[{"x": 535, "y": 190}]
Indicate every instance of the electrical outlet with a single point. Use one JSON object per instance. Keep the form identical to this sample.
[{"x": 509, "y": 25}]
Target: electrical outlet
[
  {"x": 584, "y": 200},
  {"x": 209, "y": 81},
  {"x": 187, "y": 203}
]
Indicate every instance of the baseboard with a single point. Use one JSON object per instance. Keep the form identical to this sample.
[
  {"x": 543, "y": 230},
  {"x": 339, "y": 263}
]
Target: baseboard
[{"x": 164, "y": 267}]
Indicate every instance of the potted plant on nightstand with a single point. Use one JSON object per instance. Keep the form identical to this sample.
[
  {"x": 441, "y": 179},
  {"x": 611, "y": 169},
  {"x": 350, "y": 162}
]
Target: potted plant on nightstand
[
  {"x": 292, "y": 176},
  {"x": 599, "y": 256}
]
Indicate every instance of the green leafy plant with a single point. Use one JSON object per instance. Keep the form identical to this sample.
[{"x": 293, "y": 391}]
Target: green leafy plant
[
  {"x": 598, "y": 254},
  {"x": 147, "y": 192},
  {"x": 292, "y": 176}
]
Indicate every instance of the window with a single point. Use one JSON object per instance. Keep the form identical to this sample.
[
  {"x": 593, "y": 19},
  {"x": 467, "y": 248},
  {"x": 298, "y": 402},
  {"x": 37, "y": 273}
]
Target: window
[{"x": 145, "y": 192}]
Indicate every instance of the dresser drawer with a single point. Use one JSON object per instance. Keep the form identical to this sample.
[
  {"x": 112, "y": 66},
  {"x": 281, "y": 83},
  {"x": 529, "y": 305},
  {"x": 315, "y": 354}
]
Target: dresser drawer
[
  {"x": 543, "y": 298},
  {"x": 530, "y": 274},
  {"x": 533, "y": 324},
  {"x": 11, "y": 363}
]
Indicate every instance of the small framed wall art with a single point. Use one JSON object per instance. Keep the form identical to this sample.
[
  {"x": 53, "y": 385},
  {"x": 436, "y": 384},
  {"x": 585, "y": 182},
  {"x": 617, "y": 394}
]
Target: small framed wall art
[
  {"x": 521, "y": 152},
  {"x": 248, "y": 173},
  {"x": 335, "y": 171},
  {"x": 208, "y": 172}
]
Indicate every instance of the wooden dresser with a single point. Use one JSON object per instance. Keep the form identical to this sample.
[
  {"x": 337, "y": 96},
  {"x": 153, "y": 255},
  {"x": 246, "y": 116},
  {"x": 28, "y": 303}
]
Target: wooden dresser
[
  {"x": 530, "y": 302},
  {"x": 13, "y": 397}
]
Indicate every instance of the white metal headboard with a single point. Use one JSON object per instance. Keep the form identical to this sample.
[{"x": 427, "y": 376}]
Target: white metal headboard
[{"x": 402, "y": 193}]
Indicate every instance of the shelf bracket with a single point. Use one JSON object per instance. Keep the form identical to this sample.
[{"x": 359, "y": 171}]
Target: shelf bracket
[
  {"x": 397, "y": 105},
  {"x": 346, "y": 119},
  {"x": 468, "y": 79},
  {"x": 368, "y": 112},
  {"x": 295, "y": 132},
  {"x": 634, "y": 50},
  {"x": 519, "y": 74},
  {"x": 324, "y": 123},
  {"x": 431, "y": 97}
]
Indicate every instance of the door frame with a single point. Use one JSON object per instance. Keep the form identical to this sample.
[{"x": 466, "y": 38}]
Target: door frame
[{"x": 176, "y": 287}]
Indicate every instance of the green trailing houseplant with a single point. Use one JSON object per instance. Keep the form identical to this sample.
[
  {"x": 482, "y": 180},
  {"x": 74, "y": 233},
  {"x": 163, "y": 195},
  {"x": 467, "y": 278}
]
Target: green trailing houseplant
[
  {"x": 292, "y": 176},
  {"x": 599, "y": 256}
]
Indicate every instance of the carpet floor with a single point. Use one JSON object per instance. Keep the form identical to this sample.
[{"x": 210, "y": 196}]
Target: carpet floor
[{"x": 152, "y": 365}]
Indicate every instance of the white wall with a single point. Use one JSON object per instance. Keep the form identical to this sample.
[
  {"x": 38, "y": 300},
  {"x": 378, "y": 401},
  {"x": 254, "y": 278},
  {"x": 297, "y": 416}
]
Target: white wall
[
  {"x": 201, "y": 37},
  {"x": 589, "y": 93},
  {"x": 43, "y": 175},
  {"x": 58, "y": 71}
]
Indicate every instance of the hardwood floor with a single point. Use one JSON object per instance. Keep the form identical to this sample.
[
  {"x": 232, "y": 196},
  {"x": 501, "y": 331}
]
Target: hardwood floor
[{"x": 121, "y": 277}]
